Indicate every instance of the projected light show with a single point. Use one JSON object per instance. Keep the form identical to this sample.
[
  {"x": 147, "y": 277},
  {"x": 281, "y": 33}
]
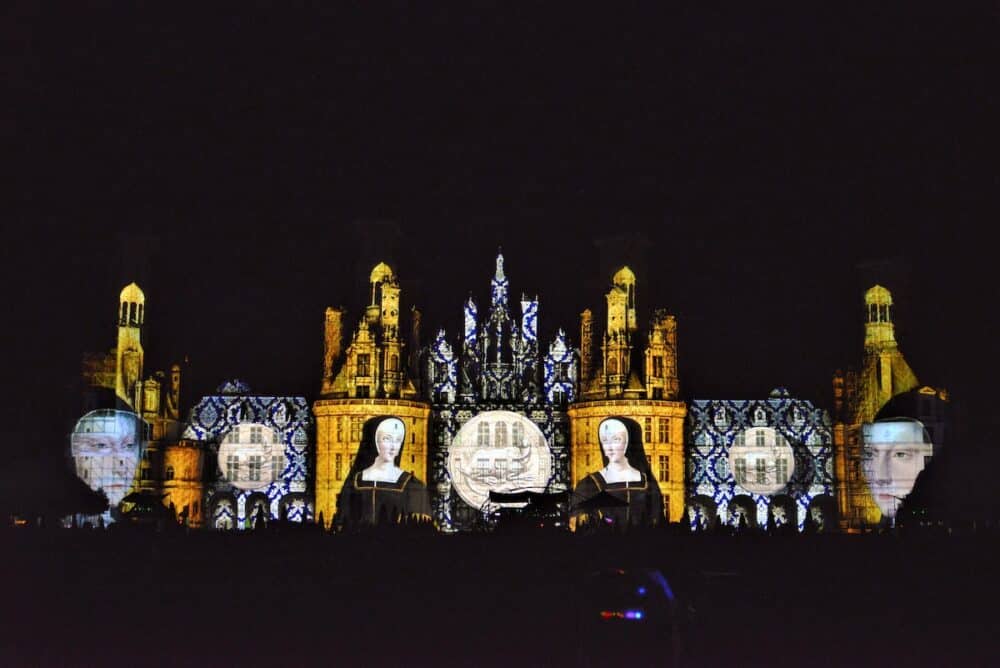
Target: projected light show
[
  {"x": 263, "y": 443},
  {"x": 630, "y": 495},
  {"x": 498, "y": 451},
  {"x": 761, "y": 460},
  {"x": 377, "y": 490},
  {"x": 106, "y": 446},
  {"x": 894, "y": 453},
  {"x": 251, "y": 456}
]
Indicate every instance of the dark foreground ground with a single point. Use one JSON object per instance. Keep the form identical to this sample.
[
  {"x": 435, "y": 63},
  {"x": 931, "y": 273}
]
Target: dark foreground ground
[{"x": 151, "y": 599}]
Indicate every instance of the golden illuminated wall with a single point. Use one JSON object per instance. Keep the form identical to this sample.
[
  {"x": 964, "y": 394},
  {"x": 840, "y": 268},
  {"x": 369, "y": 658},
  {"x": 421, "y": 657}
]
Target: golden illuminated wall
[
  {"x": 368, "y": 379},
  {"x": 183, "y": 465},
  {"x": 858, "y": 397},
  {"x": 632, "y": 378},
  {"x": 339, "y": 427},
  {"x": 663, "y": 436}
]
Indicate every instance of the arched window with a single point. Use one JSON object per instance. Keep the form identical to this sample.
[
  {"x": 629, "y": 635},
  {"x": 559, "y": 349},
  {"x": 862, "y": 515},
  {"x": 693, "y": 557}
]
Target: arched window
[
  {"x": 613, "y": 365},
  {"x": 394, "y": 363}
]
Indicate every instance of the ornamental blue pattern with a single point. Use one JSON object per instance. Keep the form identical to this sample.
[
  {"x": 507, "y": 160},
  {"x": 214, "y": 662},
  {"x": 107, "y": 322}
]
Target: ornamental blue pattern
[
  {"x": 499, "y": 369},
  {"x": 290, "y": 419},
  {"x": 712, "y": 429}
]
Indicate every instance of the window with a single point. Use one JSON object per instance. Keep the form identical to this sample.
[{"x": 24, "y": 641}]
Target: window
[
  {"x": 168, "y": 473},
  {"x": 196, "y": 507},
  {"x": 355, "y": 429},
  {"x": 558, "y": 397},
  {"x": 340, "y": 430},
  {"x": 275, "y": 467},
  {"x": 501, "y": 466},
  {"x": 517, "y": 430},
  {"x": 883, "y": 312},
  {"x": 781, "y": 471},
  {"x": 234, "y": 435},
  {"x": 413, "y": 459},
  {"x": 657, "y": 366},
  {"x": 663, "y": 427},
  {"x": 394, "y": 363},
  {"x": 647, "y": 430},
  {"x": 363, "y": 392},
  {"x": 256, "y": 435},
  {"x": 761, "y": 472},
  {"x": 440, "y": 370},
  {"x": 500, "y": 434},
  {"x": 741, "y": 470},
  {"x": 758, "y": 437},
  {"x": 232, "y": 468},
  {"x": 364, "y": 364},
  {"x": 483, "y": 434},
  {"x": 664, "y": 468},
  {"x": 144, "y": 473},
  {"x": 613, "y": 366},
  {"x": 482, "y": 469},
  {"x": 253, "y": 472},
  {"x": 338, "y": 468},
  {"x": 657, "y": 392},
  {"x": 586, "y": 459}
]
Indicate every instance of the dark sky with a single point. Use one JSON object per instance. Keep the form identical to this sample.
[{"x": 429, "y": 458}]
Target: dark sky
[{"x": 776, "y": 162}]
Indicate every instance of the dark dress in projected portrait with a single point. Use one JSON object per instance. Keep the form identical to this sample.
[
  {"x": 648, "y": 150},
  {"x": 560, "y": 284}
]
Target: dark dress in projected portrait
[
  {"x": 377, "y": 491},
  {"x": 623, "y": 493}
]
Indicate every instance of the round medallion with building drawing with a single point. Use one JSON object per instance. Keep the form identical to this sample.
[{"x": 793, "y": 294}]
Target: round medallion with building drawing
[
  {"x": 251, "y": 456},
  {"x": 498, "y": 451},
  {"x": 761, "y": 460}
]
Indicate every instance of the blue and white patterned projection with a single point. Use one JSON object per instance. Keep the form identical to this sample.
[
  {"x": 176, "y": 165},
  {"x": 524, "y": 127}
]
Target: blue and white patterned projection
[
  {"x": 500, "y": 369},
  {"x": 718, "y": 432},
  {"x": 290, "y": 420}
]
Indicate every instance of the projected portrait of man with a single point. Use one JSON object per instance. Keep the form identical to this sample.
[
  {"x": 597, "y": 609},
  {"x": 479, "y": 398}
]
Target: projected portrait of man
[
  {"x": 632, "y": 497},
  {"x": 377, "y": 490},
  {"x": 106, "y": 446},
  {"x": 894, "y": 453}
]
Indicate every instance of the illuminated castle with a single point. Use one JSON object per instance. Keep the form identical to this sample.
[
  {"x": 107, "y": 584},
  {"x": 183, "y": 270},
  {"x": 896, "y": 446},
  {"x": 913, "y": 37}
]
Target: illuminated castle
[
  {"x": 370, "y": 378},
  {"x": 762, "y": 462},
  {"x": 634, "y": 378},
  {"x": 258, "y": 457},
  {"x": 500, "y": 374},
  {"x": 858, "y": 398},
  {"x": 115, "y": 380}
]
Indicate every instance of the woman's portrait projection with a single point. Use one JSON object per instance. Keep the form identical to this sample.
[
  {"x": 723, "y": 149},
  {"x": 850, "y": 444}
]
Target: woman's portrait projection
[
  {"x": 377, "y": 490},
  {"x": 894, "y": 453},
  {"x": 251, "y": 456},
  {"x": 106, "y": 446},
  {"x": 624, "y": 492},
  {"x": 500, "y": 451}
]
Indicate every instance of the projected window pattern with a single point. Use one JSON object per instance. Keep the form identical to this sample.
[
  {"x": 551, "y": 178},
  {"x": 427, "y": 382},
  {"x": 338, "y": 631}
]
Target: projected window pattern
[
  {"x": 290, "y": 421},
  {"x": 499, "y": 368},
  {"x": 715, "y": 426}
]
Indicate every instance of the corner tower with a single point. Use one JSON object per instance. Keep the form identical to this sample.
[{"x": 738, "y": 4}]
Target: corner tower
[
  {"x": 858, "y": 397},
  {"x": 368, "y": 379},
  {"x": 632, "y": 378}
]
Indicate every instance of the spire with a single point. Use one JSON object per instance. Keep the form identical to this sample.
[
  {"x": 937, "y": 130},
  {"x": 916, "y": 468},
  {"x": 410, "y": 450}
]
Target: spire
[{"x": 499, "y": 285}]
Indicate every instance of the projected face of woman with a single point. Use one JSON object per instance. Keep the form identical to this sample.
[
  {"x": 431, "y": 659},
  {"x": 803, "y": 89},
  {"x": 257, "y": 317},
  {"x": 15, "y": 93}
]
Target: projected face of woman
[
  {"x": 614, "y": 442},
  {"x": 891, "y": 470},
  {"x": 892, "y": 459},
  {"x": 388, "y": 441}
]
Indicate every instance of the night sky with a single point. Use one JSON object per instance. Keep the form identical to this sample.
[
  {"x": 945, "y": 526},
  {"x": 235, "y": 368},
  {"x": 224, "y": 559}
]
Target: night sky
[{"x": 775, "y": 163}]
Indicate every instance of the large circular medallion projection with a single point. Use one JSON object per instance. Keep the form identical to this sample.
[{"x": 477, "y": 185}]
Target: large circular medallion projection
[
  {"x": 106, "y": 446},
  {"x": 761, "y": 460},
  {"x": 500, "y": 451},
  {"x": 251, "y": 456}
]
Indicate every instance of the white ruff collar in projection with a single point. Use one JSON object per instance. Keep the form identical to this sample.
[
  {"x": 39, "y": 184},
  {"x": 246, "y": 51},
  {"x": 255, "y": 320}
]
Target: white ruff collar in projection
[{"x": 498, "y": 451}]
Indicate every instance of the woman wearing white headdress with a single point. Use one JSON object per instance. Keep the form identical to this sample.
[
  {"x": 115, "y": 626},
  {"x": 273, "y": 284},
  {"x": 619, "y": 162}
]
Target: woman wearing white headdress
[
  {"x": 632, "y": 495},
  {"x": 377, "y": 490}
]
